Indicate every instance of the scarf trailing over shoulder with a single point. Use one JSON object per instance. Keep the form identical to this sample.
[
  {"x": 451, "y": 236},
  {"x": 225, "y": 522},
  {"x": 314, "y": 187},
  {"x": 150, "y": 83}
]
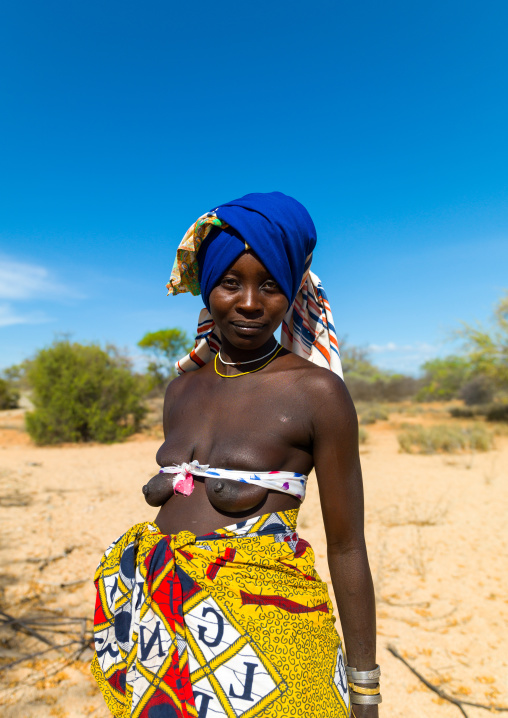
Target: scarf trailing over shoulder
[{"x": 281, "y": 233}]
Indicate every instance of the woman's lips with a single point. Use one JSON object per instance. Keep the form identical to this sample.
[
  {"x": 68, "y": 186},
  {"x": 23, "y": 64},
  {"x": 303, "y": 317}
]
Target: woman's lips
[{"x": 248, "y": 328}]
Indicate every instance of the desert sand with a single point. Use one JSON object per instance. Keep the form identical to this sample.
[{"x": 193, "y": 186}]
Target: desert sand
[{"x": 436, "y": 535}]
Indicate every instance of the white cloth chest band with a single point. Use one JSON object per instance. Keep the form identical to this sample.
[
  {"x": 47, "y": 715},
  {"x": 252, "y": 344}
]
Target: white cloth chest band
[{"x": 287, "y": 482}]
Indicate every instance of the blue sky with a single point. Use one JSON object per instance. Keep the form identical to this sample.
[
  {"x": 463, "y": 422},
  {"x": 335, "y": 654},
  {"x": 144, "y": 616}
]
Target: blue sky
[{"x": 122, "y": 122}]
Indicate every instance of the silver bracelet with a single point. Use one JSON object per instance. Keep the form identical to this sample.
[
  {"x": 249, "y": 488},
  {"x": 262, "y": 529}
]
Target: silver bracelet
[
  {"x": 371, "y": 675},
  {"x": 359, "y": 699}
]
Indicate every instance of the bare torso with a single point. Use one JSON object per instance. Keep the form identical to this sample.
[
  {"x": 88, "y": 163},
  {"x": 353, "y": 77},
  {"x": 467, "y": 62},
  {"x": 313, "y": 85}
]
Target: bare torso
[{"x": 261, "y": 421}]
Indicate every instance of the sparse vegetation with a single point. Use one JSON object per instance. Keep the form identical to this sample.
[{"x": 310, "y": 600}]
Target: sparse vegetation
[
  {"x": 444, "y": 438},
  {"x": 367, "y": 382},
  {"x": 497, "y": 412},
  {"x": 363, "y": 436},
  {"x": 372, "y": 413},
  {"x": 464, "y": 412},
  {"x": 480, "y": 374},
  {"x": 492, "y": 412},
  {"x": 83, "y": 393},
  {"x": 9, "y": 396},
  {"x": 416, "y": 512}
]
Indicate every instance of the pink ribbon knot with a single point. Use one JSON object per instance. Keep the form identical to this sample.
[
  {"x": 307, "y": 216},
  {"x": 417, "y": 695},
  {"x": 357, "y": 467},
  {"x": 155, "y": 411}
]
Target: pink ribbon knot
[{"x": 184, "y": 483}]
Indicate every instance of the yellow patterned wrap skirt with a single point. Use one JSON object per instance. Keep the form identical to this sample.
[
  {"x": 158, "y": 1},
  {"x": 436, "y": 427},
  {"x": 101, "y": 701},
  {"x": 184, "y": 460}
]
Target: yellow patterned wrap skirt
[{"x": 233, "y": 624}]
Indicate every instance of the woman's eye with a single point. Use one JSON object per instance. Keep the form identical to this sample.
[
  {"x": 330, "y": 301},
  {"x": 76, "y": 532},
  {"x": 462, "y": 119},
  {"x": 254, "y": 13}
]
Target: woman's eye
[
  {"x": 271, "y": 284},
  {"x": 229, "y": 282}
]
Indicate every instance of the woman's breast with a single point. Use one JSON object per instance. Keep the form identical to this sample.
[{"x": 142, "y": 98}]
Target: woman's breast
[
  {"x": 243, "y": 451},
  {"x": 233, "y": 496},
  {"x": 229, "y": 439},
  {"x": 224, "y": 494}
]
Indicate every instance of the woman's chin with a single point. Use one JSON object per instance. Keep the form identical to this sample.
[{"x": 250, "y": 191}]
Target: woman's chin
[{"x": 247, "y": 339}]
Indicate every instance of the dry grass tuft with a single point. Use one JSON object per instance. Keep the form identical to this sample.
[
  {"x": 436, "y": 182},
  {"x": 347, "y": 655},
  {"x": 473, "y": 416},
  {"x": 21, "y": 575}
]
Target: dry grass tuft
[
  {"x": 363, "y": 436},
  {"x": 415, "y": 512},
  {"x": 372, "y": 413},
  {"x": 445, "y": 438}
]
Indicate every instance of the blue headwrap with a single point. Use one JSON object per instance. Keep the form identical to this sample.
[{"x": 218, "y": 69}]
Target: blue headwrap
[
  {"x": 281, "y": 233},
  {"x": 276, "y": 227}
]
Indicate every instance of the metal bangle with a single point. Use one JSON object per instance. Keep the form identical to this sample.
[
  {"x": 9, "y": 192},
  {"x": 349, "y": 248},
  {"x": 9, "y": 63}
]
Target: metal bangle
[
  {"x": 371, "y": 675},
  {"x": 371, "y": 691},
  {"x": 358, "y": 699}
]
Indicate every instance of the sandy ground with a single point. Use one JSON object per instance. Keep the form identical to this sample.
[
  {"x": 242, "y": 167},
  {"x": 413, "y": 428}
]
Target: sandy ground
[{"x": 437, "y": 539}]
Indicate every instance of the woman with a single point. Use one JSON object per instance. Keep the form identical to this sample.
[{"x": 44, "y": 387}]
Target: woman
[{"x": 216, "y": 609}]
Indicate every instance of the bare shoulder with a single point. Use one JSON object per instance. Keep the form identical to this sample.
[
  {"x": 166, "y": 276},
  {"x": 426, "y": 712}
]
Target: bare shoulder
[
  {"x": 326, "y": 395},
  {"x": 317, "y": 381},
  {"x": 184, "y": 383}
]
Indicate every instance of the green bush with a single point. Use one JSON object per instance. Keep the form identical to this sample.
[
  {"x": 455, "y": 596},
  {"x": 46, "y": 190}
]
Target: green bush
[
  {"x": 83, "y": 393},
  {"x": 9, "y": 397},
  {"x": 444, "y": 378},
  {"x": 165, "y": 347},
  {"x": 444, "y": 438}
]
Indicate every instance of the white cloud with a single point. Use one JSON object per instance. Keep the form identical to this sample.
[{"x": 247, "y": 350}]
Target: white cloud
[
  {"x": 20, "y": 280},
  {"x": 9, "y": 317}
]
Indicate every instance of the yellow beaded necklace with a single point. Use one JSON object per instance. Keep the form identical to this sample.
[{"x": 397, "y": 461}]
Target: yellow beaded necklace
[{"x": 243, "y": 373}]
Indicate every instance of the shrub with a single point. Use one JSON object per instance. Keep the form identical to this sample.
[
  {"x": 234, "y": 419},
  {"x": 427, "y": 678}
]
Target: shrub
[
  {"x": 478, "y": 390},
  {"x": 83, "y": 393},
  {"x": 9, "y": 397},
  {"x": 463, "y": 412},
  {"x": 444, "y": 378},
  {"x": 445, "y": 438},
  {"x": 386, "y": 388},
  {"x": 498, "y": 412}
]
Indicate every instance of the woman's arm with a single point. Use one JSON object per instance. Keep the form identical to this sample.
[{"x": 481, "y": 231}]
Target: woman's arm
[{"x": 337, "y": 464}]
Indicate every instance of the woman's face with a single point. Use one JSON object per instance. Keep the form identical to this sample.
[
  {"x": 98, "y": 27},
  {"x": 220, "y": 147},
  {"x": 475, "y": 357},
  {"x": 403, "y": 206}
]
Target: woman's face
[{"x": 247, "y": 305}]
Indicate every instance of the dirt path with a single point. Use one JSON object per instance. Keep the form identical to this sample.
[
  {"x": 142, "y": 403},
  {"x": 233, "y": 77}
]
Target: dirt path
[{"x": 437, "y": 538}]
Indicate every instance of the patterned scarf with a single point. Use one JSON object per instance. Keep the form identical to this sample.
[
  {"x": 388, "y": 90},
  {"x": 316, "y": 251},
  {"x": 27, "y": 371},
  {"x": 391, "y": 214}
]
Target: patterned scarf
[{"x": 308, "y": 329}]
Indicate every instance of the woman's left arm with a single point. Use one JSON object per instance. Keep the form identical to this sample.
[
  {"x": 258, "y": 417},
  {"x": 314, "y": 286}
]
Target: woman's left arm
[{"x": 337, "y": 464}]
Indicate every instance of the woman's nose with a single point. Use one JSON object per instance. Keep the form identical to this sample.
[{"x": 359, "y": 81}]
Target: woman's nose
[{"x": 249, "y": 300}]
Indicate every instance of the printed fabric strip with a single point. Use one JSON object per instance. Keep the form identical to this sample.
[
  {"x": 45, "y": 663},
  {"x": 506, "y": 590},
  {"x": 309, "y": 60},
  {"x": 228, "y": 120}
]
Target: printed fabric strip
[
  {"x": 184, "y": 275},
  {"x": 287, "y": 482},
  {"x": 233, "y": 624}
]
